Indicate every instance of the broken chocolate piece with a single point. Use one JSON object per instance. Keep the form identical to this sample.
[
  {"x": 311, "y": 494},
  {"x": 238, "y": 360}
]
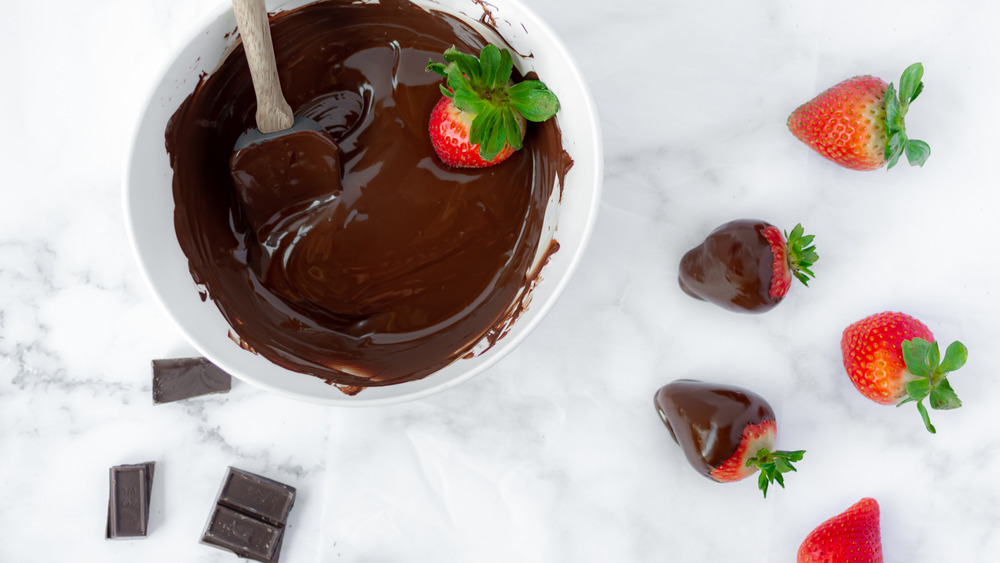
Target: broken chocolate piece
[
  {"x": 249, "y": 516},
  {"x": 257, "y": 496},
  {"x": 183, "y": 378},
  {"x": 128, "y": 505},
  {"x": 243, "y": 535}
]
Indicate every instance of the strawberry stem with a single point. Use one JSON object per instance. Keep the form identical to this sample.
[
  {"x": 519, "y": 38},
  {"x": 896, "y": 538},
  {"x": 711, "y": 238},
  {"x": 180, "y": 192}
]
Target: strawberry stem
[
  {"x": 801, "y": 254},
  {"x": 772, "y": 465},
  {"x": 896, "y": 106},
  {"x": 930, "y": 371},
  {"x": 480, "y": 86}
]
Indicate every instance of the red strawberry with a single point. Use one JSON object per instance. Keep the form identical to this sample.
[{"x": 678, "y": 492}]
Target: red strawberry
[
  {"x": 893, "y": 359},
  {"x": 480, "y": 119},
  {"x": 747, "y": 265},
  {"x": 859, "y": 123},
  {"x": 727, "y": 433},
  {"x": 853, "y": 536}
]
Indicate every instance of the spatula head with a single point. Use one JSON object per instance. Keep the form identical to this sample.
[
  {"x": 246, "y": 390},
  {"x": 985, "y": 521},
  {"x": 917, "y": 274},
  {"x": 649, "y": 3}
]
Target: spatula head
[
  {"x": 255, "y": 136},
  {"x": 276, "y": 175}
]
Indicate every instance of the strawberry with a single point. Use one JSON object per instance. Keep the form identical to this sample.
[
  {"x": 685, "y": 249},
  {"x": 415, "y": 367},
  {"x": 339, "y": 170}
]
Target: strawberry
[
  {"x": 851, "y": 536},
  {"x": 859, "y": 123},
  {"x": 892, "y": 359},
  {"x": 727, "y": 433},
  {"x": 480, "y": 119},
  {"x": 747, "y": 265}
]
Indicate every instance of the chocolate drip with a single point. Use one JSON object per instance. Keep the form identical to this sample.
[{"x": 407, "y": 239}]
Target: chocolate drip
[{"x": 407, "y": 264}]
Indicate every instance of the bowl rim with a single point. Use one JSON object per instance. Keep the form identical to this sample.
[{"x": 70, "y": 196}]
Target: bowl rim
[{"x": 509, "y": 342}]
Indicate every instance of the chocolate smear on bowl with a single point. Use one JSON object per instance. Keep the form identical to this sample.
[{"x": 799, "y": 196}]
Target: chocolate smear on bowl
[{"x": 409, "y": 263}]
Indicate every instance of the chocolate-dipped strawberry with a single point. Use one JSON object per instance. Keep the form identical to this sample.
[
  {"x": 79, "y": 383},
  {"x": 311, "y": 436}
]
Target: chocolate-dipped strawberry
[
  {"x": 727, "y": 433},
  {"x": 747, "y": 265}
]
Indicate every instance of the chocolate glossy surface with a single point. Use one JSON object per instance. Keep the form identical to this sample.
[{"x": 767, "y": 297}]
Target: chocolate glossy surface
[
  {"x": 707, "y": 420},
  {"x": 731, "y": 268},
  {"x": 407, "y": 264}
]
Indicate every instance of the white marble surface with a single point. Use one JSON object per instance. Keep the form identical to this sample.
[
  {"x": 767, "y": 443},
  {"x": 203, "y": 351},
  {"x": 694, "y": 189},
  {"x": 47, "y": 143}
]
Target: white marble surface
[{"x": 556, "y": 454}]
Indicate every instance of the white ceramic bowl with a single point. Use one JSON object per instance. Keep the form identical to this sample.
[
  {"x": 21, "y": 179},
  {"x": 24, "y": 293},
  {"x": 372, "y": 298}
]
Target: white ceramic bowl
[{"x": 149, "y": 205}]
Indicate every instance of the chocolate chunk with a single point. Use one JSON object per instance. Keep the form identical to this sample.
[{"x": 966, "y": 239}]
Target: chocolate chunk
[
  {"x": 128, "y": 505},
  {"x": 257, "y": 496},
  {"x": 249, "y": 516},
  {"x": 245, "y": 536},
  {"x": 183, "y": 378}
]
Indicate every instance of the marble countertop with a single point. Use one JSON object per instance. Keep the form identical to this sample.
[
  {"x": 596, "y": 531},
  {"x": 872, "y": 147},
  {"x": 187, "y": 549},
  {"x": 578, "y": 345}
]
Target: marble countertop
[{"x": 556, "y": 453}]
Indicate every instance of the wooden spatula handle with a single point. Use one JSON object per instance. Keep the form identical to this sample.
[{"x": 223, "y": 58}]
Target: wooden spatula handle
[{"x": 273, "y": 112}]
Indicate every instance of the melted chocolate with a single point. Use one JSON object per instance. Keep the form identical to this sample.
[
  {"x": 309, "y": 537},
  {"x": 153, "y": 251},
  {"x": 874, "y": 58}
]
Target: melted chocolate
[
  {"x": 732, "y": 268},
  {"x": 280, "y": 178},
  {"x": 403, "y": 267},
  {"x": 707, "y": 420}
]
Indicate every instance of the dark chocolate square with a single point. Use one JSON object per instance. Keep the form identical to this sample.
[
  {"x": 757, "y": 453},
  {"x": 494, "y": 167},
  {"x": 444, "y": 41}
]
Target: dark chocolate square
[
  {"x": 183, "y": 378},
  {"x": 128, "y": 503},
  {"x": 257, "y": 496},
  {"x": 243, "y": 535},
  {"x": 249, "y": 516}
]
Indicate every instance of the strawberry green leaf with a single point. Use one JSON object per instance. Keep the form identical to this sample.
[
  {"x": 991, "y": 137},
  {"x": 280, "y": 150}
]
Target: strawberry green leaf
[
  {"x": 916, "y": 356},
  {"x": 489, "y": 59},
  {"x": 467, "y": 101},
  {"x": 763, "y": 482},
  {"x": 467, "y": 64},
  {"x": 504, "y": 69},
  {"x": 533, "y": 100},
  {"x": 943, "y": 397},
  {"x": 801, "y": 253},
  {"x": 797, "y": 232},
  {"x": 777, "y": 477},
  {"x": 772, "y": 465},
  {"x": 933, "y": 356},
  {"x": 782, "y": 465},
  {"x": 437, "y": 67},
  {"x": 910, "y": 84},
  {"x": 954, "y": 357},
  {"x": 923, "y": 359},
  {"x": 484, "y": 133},
  {"x": 803, "y": 275},
  {"x": 511, "y": 128},
  {"x": 926, "y": 417},
  {"x": 917, "y": 152},
  {"x": 894, "y": 148},
  {"x": 893, "y": 112},
  {"x": 918, "y": 388},
  {"x": 477, "y": 132},
  {"x": 896, "y": 106},
  {"x": 458, "y": 83}
]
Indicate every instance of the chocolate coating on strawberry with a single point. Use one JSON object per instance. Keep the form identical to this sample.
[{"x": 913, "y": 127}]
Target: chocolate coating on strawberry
[
  {"x": 747, "y": 265},
  {"x": 707, "y": 420},
  {"x": 727, "y": 433}
]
